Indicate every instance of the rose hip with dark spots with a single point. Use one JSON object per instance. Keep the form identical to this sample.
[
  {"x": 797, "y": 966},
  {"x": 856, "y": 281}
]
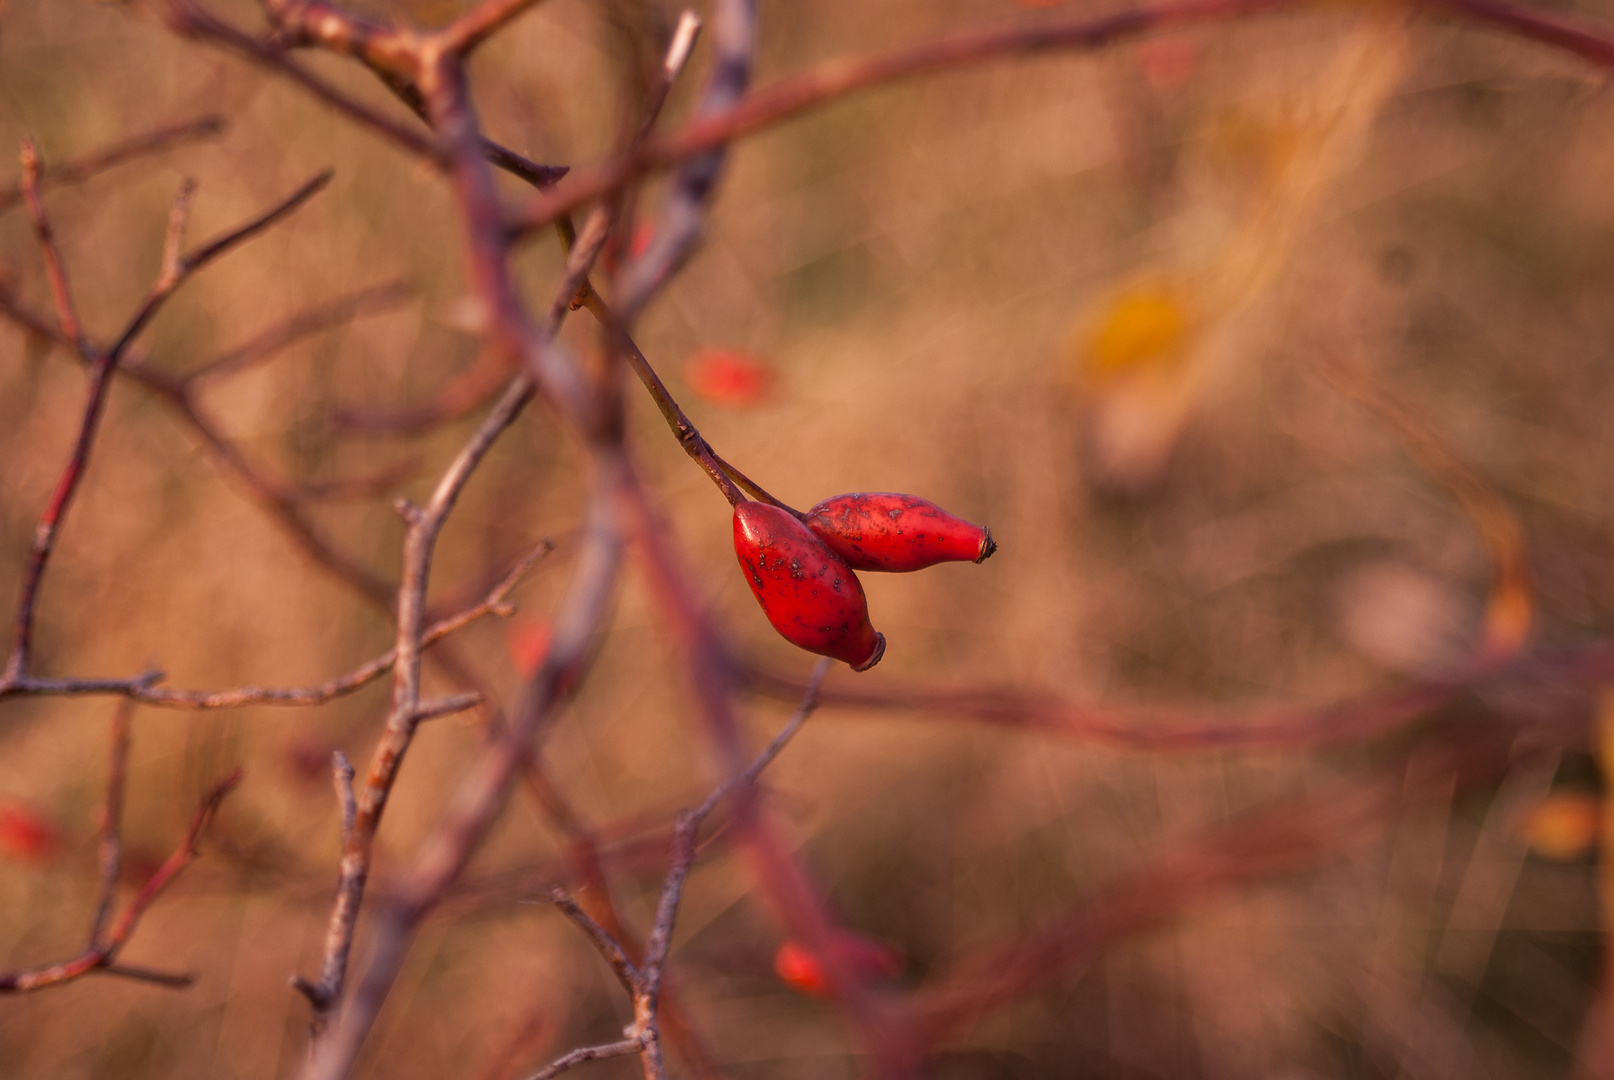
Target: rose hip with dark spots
[
  {"x": 896, "y": 533},
  {"x": 808, "y": 593}
]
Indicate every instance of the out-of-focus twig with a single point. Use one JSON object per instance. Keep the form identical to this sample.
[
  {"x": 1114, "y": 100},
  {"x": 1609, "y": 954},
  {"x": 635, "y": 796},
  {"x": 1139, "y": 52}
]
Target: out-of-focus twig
[
  {"x": 111, "y": 846},
  {"x": 187, "y": 18},
  {"x": 644, "y": 982},
  {"x": 1285, "y": 836},
  {"x": 176, "y": 268},
  {"x": 80, "y": 169},
  {"x": 837, "y": 78},
  {"x": 102, "y": 952}
]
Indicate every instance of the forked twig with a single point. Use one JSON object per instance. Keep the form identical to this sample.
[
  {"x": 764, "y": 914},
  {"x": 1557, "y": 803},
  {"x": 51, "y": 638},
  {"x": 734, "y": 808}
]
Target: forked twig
[
  {"x": 101, "y": 954},
  {"x": 176, "y": 268},
  {"x": 644, "y": 983}
]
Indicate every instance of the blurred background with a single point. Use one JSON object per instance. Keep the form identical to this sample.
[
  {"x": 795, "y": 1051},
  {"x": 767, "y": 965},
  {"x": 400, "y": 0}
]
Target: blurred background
[{"x": 1082, "y": 299}]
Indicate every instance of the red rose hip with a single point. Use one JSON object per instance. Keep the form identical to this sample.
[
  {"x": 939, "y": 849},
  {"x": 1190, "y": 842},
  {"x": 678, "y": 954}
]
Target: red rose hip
[
  {"x": 896, "y": 533},
  {"x": 809, "y": 595}
]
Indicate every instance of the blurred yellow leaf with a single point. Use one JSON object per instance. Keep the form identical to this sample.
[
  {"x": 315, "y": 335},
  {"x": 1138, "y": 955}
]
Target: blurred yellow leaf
[
  {"x": 1144, "y": 326},
  {"x": 1564, "y": 826}
]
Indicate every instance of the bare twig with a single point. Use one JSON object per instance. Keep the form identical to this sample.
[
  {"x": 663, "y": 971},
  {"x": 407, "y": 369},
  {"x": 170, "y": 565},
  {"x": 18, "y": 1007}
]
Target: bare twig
[
  {"x": 188, "y": 19},
  {"x": 590, "y": 1053},
  {"x": 100, "y": 956},
  {"x": 176, "y": 269},
  {"x": 342, "y": 779},
  {"x": 474, "y": 27},
  {"x": 55, "y": 271},
  {"x": 93, "y": 164},
  {"x": 644, "y": 984},
  {"x": 688, "y": 829},
  {"x": 143, "y": 688},
  {"x": 835, "y": 79},
  {"x": 684, "y": 211},
  {"x": 486, "y": 786},
  {"x": 1338, "y": 723},
  {"x": 407, "y": 712},
  {"x": 615, "y": 955},
  {"x": 511, "y": 330},
  {"x": 112, "y": 821}
]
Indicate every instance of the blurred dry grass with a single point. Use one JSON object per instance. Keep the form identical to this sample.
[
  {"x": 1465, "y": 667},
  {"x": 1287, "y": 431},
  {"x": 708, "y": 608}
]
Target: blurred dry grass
[{"x": 1187, "y": 515}]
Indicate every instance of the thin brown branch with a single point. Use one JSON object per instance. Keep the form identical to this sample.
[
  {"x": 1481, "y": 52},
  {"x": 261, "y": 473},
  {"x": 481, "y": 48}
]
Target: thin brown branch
[
  {"x": 1340, "y": 723},
  {"x": 111, "y": 846},
  {"x": 406, "y": 712},
  {"x": 100, "y": 957},
  {"x": 474, "y": 27},
  {"x": 55, "y": 270},
  {"x": 585, "y": 856},
  {"x": 683, "y": 212},
  {"x": 315, "y": 22},
  {"x": 1591, "y": 43},
  {"x": 281, "y": 501},
  {"x": 688, "y": 829},
  {"x": 835, "y": 79},
  {"x": 394, "y": 57},
  {"x": 142, "y": 688},
  {"x": 644, "y": 986},
  {"x": 342, "y": 780},
  {"x": 80, "y": 169},
  {"x": 590, "y": 1053},
  {"x": 178, "y": 267},
  {"x": 446, "y": 706},
  {"x": 486, "y": 254},
  {"x": 176, "y": 270},
  {"x": 627, "y": 974},
  {"x": 189, "y": 20},
  {"x": 485, "y": 788}
]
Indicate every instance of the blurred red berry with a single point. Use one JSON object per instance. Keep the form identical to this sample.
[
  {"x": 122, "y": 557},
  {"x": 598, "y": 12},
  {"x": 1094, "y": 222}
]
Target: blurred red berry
[
  {"x": 725, "y": 377},
  {"x": 25, "y": 835},
  {"x": 799, "y": 969},
  {"x": 637, "y": 246},
  {"x": 527, "y": 642}
]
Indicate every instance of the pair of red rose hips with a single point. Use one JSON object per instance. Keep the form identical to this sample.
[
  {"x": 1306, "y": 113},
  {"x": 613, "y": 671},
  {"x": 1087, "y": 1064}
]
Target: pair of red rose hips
[{"x": 801, "y": 572}]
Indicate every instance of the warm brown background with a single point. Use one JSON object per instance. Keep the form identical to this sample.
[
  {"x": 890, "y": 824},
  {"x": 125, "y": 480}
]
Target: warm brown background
[{"x": 930, "y": 269}]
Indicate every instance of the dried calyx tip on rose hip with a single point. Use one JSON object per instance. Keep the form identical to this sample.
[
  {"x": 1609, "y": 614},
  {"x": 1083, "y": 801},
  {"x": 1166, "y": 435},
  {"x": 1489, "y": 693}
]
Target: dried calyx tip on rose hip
[
  {"x": 807, "y": 591},
  {"x": 896, "y": 533}
]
